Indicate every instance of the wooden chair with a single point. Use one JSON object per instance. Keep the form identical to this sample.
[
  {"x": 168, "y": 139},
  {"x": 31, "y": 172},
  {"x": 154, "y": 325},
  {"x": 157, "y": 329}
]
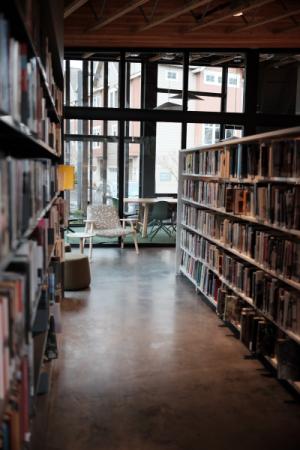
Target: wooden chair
[{"x": 104, "y": 221}]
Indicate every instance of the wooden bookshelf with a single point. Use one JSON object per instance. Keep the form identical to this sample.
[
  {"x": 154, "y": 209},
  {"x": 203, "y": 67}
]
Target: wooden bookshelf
[
  {"x": 238, "y": 254},
  {"x": 16, "y": 135},
  {"x": 31, "y": 208},
  {"x": 274, "y": 301},
  {"x": 243, "y": 217}
]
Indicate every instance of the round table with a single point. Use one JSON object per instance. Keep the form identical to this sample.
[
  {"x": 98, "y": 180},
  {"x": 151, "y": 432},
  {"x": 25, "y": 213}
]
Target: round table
[{"x": 82, "y": 236}]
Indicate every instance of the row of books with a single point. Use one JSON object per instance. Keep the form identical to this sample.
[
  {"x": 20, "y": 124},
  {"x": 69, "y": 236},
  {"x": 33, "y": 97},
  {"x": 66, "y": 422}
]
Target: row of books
[
  {"x": 274, "y": 204},
  {"x": 273, "y": 251},
  {"x": 15, "y": 426},
  {"x": 33, "y": 13},
  {"x": 22, "y": 90},
  {"x": 279, "y": 158},
  {"x": 27, "y": 293},
  {"x": 266, "y": 293},
  {"x": 256, "y": 332},
  {"x": 205, "y": 279},
  {"x": 26, "y": 187},
  {"x": 259, "y": 335},
  {"x": 18, "y": 371},
  {"x": 46, "y": 57}
]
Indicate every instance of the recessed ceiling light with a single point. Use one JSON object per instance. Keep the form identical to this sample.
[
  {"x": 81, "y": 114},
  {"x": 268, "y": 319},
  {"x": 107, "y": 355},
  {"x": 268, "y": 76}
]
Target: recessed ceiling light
[{"x": 238, "y": 14}]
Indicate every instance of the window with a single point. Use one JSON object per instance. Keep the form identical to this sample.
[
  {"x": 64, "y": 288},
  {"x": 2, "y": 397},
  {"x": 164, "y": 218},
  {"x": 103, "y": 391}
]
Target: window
[
  {"x": 171, "y": 75},
  {"x": 211, "y": 133},
  {"x": 233, "y": 80},
  {"x": 114, "y": 129},
  {"x": 228, "y": 133},
  {"x": 112, "y": 98},
  {"x": 233, "y": 132},
  {"x": 96, "y": 100},
  {"x": 96, "y": 129},
  {"x": 211, "y": 77}
]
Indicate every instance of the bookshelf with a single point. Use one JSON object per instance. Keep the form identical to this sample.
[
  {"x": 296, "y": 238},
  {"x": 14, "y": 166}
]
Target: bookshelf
[
  {"x": 32, "y": 210},
  {"x": 238, "y": 239}
]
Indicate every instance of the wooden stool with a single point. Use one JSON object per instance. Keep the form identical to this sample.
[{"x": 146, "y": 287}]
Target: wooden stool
[{"x": 77, "y": 274}]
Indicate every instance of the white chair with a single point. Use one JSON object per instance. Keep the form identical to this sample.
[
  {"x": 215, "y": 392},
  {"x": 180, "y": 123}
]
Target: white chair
[{"x": 104, "y": 221}]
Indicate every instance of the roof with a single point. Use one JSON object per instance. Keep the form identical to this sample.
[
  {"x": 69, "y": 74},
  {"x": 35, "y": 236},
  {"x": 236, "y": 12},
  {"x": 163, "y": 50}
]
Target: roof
[{"x": 182, "y": 24}]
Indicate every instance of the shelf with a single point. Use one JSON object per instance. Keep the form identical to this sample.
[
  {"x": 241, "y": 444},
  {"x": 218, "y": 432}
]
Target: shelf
[
  {"x": 247, "y": 299},
  {"x": 36, "y": 305},
  {"x": 256, "y": 180},
  {"x": 274, "y": 364},
  {"x": 272, "y": 361},
  {"x": 41, "y": 322},
  {"x": 240, "y": 255},
  {"x": 240, "y": 217},
  {"x": 44, "y": 211},
  {"x": 20, "y": 141},
  {"x": 7, "y": 258},
  {"x": 208, "y": 297},
  {"x": 268, "y": 136},
  {"x": 40, "y": 342}
]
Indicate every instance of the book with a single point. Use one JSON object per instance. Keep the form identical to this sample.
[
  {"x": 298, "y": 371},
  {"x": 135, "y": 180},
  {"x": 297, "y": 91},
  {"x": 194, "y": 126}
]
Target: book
[{"x": 288, "y": 360}]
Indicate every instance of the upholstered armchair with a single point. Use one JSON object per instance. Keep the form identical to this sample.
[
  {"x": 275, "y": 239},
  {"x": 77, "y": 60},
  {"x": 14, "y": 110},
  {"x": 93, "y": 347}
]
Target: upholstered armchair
[{"x": 104, "y": 221}]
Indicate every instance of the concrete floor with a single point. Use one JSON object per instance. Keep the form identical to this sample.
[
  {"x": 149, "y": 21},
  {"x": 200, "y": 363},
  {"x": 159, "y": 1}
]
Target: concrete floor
[{"x": 146, "y": 365}]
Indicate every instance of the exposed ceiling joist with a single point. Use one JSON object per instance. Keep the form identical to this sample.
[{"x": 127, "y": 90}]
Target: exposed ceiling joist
[
  {"x": 221, "y": 61},
  {"x": 292, "y": 19},
  {"x": 228, "y": 16},
  {"x": 266, "y": 21},
  {"x": 118, "y": 14},
  {"x": 284, "y": 62},
  {"x": 72, "y": 7},
  {"x": 178, "y": 12},
  {"x": 88, "y": 55}
]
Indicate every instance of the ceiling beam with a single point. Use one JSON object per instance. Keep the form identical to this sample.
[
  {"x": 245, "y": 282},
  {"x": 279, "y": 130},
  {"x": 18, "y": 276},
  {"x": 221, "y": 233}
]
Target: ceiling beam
[
  {"x": 224, "y": 60},
  {"x": 88, "y": 55},
  {"x": 117, "y": 15},
  {"x": 285, "y": 61},
  {"x": 178, "y": 12},
  {"x": 254, "y": 5},
  {"x": 72, "y": 7},
  {"x": 266, "y": 21}
]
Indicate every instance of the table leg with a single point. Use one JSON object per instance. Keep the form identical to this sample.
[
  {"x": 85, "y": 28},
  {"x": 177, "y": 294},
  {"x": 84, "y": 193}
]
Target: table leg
[
  {"x": 145, "y": 220},
  {"x": 81, "y": 245},
  {"x": 91, "y": 248}
]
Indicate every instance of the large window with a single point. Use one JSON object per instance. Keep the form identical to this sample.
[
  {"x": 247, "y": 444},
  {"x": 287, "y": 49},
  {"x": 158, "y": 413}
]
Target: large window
[{"x": 154, "y": 82}]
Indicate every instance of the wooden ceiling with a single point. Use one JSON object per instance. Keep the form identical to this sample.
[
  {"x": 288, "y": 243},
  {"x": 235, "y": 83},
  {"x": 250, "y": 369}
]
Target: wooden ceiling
[{"x": 182, "y": 23}]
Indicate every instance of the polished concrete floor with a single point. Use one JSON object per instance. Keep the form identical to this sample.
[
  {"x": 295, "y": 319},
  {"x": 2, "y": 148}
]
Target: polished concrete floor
[{"x": 146, "y": 365}]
